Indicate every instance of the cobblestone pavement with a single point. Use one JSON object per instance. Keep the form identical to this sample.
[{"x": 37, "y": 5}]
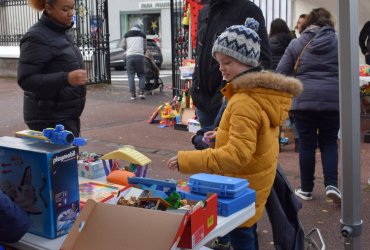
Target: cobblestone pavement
[{"x": 111, "y": 120}]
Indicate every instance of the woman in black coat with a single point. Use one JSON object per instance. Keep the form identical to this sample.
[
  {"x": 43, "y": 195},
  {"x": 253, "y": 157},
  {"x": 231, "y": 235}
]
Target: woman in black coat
[
  {"x": 279, "y": 37},
  {"x": 51, "y": 70}
]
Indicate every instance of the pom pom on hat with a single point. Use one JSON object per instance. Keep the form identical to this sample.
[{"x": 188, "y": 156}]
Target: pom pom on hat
[{"x": 240, "y": 42}]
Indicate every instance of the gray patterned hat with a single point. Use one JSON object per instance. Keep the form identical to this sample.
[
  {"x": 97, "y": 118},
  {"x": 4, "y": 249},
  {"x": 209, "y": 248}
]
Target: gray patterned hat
[{"x": 240, "y": 42}]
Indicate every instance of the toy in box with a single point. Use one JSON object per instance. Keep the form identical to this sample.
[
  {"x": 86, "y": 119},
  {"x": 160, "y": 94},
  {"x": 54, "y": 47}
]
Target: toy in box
[
  {"x": 90, "y": 166},
  {"x": 41, "y": 178}
]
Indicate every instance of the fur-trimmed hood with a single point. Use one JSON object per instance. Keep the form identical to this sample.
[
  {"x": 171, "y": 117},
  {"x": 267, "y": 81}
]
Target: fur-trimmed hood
[
  {"x": 267, "y": 80},
  {"x": 272, "y": 91}
]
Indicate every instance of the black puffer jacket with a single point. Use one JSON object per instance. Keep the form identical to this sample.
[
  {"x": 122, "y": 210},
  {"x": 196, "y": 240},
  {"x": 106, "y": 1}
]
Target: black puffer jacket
[
  {"x": 278, "y": 44},
  {"x": 364, "y": 38},
  {"x": 213, "y": 19},
  {"x": 48, "y": 52}
]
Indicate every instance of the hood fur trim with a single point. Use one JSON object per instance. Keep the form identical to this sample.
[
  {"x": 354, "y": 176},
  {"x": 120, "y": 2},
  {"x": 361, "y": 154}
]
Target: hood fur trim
[{"x": 268, "y": 80}]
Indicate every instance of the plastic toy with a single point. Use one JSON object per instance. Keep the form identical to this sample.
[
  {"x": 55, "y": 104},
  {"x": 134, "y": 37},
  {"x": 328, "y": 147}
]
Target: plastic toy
[
  {"x": 57, "y": 135},
  {"x": 138, "y": 164},
  {"x": 63, "y": 137}
]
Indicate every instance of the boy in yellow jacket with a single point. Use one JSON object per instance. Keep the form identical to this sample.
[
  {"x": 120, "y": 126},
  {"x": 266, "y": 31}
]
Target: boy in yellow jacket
[{"x": 246, "y": 141}]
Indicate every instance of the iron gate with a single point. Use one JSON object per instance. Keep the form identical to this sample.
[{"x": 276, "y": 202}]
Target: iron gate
[
  {"x": 92, "y": 32},
  {"x": 91, "y": 27}
]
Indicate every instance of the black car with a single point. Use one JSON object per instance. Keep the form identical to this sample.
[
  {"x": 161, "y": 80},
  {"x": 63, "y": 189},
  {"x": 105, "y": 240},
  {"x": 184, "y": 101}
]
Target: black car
[{"x": 118, "y": 54}]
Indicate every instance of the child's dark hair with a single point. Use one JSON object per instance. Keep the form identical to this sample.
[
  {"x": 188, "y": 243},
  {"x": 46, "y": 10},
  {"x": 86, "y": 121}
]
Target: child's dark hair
[
  {"x": 320, "y": 17},
  {"x": 40, "y": 4}
]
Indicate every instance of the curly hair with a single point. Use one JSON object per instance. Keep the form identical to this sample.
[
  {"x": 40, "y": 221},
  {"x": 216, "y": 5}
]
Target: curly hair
[{"x": 40, "y": 4}]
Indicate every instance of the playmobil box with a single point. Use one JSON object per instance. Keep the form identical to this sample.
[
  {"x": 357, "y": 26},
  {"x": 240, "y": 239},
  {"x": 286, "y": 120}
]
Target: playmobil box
[{"x": 41, "y": 178}]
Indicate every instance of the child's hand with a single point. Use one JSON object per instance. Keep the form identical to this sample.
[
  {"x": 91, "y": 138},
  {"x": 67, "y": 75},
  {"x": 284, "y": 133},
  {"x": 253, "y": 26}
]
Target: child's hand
[
  {"x": 209, "y": 138},
  {"x": 173, "y": 164}
]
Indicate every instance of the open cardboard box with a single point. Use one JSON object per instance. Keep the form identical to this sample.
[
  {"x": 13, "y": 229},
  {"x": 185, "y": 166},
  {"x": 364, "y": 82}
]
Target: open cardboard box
[{"x": 110, "y": 226}]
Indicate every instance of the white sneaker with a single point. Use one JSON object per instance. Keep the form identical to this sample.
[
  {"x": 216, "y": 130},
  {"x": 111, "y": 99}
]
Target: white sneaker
[
  {"x": 334, "y": 194},
  {"x": 307, "y": 196}
]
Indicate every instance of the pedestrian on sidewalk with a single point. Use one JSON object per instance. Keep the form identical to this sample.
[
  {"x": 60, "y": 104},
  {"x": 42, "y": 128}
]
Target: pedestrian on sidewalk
[
  {"x": 134, "y": 43},
  {"x": 313, "y": 59},
  {"x": 51, "y": 69},
  {"x": 245, "y": 142}
]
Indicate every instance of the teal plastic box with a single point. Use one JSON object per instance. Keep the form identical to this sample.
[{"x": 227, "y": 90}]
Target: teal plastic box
[
  {"x": 42, "y": 178},
  {"x": 224, "y": 186}
]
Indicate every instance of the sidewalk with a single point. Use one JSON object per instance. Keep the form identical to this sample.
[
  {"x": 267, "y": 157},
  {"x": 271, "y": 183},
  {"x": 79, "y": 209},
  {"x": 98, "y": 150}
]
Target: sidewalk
[{"x": 111, "y": 120}]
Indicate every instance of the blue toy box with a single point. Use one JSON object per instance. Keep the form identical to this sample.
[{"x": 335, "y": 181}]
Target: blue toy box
[
  {"x": 224, "y": 186},
  {"x": 41, "y": 178},
  {"x": 225, "y": 206}
]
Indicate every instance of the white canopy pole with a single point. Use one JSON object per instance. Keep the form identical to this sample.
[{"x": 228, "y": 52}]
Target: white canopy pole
[{"x": 350, "y": 123}]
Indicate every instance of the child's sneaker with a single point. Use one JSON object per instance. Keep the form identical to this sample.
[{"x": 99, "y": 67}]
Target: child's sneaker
[
  {"x": 334, "y": 194},
  {"x": 133, "y": 97},
  {"x": 307, "y": 196}
]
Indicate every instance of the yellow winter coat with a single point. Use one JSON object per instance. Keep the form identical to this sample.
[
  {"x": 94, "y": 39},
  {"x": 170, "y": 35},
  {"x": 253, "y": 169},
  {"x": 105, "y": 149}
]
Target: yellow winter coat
[{"x": 247, "y": 144}]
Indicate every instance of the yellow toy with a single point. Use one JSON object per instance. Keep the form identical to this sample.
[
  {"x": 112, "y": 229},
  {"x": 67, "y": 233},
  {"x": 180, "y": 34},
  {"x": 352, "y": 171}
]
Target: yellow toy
[{"x": 138, "y": 164}]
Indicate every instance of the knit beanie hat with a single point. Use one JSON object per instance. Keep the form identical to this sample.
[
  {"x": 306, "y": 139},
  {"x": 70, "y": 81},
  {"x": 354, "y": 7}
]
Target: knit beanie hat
[{"x": 240, "y": 42}]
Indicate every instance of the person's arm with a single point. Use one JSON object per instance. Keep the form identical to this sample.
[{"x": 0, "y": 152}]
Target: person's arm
[
  {"x": 364, "y": 37},
  {"x": 14, "y": 222}
]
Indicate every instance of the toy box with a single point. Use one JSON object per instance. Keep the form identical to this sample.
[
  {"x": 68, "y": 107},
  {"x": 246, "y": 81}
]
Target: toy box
[
  {"x": 98, "y": 191},
  {"x": 224, "y": 186},
  {"x": 42, "y": 178},
  {"x": 225, "y": 206},
  {"x": 90, "y": 170}
]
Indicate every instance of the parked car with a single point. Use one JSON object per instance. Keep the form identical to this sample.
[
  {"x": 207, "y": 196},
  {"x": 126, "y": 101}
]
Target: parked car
[{"x": 118, "y": 54}]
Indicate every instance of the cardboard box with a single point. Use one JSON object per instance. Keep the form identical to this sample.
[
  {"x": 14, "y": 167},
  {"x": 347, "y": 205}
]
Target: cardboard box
[
  {"x": 109, "y": 226},
  {"x": 90, "y": 170},
  {"x": 42, "y": 178},
  {"x": 202, "y": 220}
]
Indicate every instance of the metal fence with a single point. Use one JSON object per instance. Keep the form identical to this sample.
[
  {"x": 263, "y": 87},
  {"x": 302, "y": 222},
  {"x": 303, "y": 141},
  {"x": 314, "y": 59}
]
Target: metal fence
[{"x": 91, "y": 29}]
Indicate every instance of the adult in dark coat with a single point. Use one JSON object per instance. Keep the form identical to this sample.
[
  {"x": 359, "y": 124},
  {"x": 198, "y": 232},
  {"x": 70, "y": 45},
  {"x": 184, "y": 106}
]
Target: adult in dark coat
[
  {"x": 364, "y": 40},
  {"x": 51, "y": 70},
  {"x": 279, "y": 38},
  {"x": 316, "y": 110},
  {"x": 213, "y": 19},
  {"x": 14, "y": 222}
]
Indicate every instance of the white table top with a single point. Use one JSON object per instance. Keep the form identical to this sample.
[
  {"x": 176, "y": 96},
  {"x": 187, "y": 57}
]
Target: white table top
[{"x": 224, "y": 225}]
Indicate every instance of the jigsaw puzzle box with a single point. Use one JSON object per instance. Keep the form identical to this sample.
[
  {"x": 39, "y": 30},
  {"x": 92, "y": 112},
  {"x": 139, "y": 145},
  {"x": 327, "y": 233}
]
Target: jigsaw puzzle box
[{"x": 42, "y": 178}]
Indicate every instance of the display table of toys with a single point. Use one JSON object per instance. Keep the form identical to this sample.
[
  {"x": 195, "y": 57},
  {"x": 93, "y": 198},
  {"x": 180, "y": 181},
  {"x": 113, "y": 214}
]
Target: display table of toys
[{"x": 114, "y": 200}]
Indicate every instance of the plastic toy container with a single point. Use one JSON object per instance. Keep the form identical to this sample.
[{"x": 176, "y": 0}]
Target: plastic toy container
[
  {"x": 225, "y": 206},
  {"x": 224, "y": 186}
]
